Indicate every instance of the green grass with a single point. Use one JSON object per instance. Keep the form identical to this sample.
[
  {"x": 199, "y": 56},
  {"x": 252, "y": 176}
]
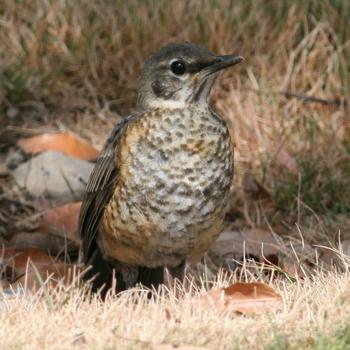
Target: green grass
[{"x": 320, "y": 187}]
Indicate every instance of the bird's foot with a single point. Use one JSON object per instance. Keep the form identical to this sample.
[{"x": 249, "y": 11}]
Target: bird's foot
[{"x": 130, "y": 275}]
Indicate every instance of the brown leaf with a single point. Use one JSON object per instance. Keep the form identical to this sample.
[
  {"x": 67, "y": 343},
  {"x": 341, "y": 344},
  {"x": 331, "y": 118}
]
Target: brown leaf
[
  {"x": 293, "y": 268},
  {"x": 18, "y": 258},
  {"x": 67, "y": 143},
  {"x": 50, "y": 243},
  {"x": 62, "y": 220},
  {"x": 332, "y": 256},
  {"x": 243, "y": 298},
  {"x": 27, "y": 263},
  {"x": 257, "y": 243}
]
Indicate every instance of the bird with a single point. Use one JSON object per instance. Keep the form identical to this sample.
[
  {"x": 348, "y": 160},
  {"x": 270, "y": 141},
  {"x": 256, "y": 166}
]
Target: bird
[{"x": 157, "y": 196}]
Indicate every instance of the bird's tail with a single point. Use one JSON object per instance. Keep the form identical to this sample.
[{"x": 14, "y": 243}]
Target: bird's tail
[{"x": 100, "y": 273}]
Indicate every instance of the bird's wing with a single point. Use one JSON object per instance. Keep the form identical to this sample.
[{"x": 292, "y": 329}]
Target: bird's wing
[{"x": 100, "y": 189}]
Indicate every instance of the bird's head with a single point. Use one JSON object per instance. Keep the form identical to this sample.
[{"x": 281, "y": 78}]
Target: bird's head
[{"x": 179, "y": 74}]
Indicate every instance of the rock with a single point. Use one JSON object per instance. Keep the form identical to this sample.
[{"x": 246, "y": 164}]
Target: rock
[
  {"x": 54, "y": 175},
  {"x": 14, "y": 158}
]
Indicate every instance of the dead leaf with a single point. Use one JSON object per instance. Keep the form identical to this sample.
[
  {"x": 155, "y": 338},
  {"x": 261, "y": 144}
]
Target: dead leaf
[
  {"x": 63, "y": 221},
  {"x": 50, "y": 243},
  {"x": 242, "y": 298},
  {"x": 293, "y": 268},
  {"x": 27, "y": 264},
  {"x": 67, "y": 143},
  {"x": 333, "y": 256},
  {"x": 257, "y": 243},
  {"x": 15, "y": 261},
  {"x": 18, "y": 258}
]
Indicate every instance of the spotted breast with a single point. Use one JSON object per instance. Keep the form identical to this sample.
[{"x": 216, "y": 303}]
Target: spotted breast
[{"x": 175, "y": 173}]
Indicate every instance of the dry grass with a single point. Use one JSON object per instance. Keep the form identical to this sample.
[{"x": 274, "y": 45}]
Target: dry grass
[
  {"x": 315, "y": 315},
  {"x": 89, "y": 53},
  {"x": 74, "y": 65}
]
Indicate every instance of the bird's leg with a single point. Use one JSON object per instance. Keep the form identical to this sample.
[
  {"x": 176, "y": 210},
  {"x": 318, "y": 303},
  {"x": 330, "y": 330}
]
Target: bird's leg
[
  {"x": 130, "y": 275},
  {"x": 178, "y": 272}
]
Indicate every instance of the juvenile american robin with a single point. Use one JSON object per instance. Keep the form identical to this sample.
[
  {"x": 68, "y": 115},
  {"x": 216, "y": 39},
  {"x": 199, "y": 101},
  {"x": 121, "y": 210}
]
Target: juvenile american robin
[{"x": 158, "y": 193}]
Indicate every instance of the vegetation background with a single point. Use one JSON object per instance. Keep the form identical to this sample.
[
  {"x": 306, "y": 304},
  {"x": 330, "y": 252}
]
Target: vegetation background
[{"x": 74, "y": 65}]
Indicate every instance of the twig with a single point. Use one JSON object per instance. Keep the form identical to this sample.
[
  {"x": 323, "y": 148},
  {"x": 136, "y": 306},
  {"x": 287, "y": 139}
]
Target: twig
[
  {"x": 306, "y": 98},
  {"x": 310, "y": 98}
]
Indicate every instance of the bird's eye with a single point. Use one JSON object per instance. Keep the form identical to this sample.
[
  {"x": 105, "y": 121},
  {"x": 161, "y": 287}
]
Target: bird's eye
[{"x": 178, "y": 67}]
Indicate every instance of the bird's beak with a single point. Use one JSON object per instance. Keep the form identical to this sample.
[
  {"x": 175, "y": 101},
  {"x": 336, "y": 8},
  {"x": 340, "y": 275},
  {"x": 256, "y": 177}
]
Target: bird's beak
[
  {"x": 222, "y": 62},
  {"x": 205, "y": 77}
]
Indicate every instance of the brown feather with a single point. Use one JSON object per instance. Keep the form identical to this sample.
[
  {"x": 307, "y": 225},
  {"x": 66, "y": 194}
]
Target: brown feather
[{"x": 99, "y": 190}]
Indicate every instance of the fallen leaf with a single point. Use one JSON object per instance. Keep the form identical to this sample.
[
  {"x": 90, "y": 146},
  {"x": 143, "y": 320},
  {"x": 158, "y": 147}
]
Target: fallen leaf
[
  {"x": 67, "y": 143},
  {"x": 27, "y": 264},
  {"x": 17, "y": 258},
  {"x": 255, "y": 243},
  {"x": 293, "y": 268},
  {"x": 49, "y": 243},
  {"x": 242, "y": 298},
  {"x": 63, "y": 221},
  {"x": 332, "y": 256}
]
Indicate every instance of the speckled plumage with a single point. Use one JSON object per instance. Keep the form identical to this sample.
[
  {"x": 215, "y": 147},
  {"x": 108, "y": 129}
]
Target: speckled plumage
[
  {"x": 158, "y": 193},
  {"x": 170, "y": 199}
]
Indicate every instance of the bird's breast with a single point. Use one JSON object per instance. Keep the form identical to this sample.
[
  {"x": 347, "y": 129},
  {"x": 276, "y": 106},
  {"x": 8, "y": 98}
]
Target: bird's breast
[{"x": 175, "y": 174}]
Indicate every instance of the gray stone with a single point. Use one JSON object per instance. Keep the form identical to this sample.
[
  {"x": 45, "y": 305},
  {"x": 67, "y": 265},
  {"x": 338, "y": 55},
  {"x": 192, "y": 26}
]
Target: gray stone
[{"x": 54, "y": 175}]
